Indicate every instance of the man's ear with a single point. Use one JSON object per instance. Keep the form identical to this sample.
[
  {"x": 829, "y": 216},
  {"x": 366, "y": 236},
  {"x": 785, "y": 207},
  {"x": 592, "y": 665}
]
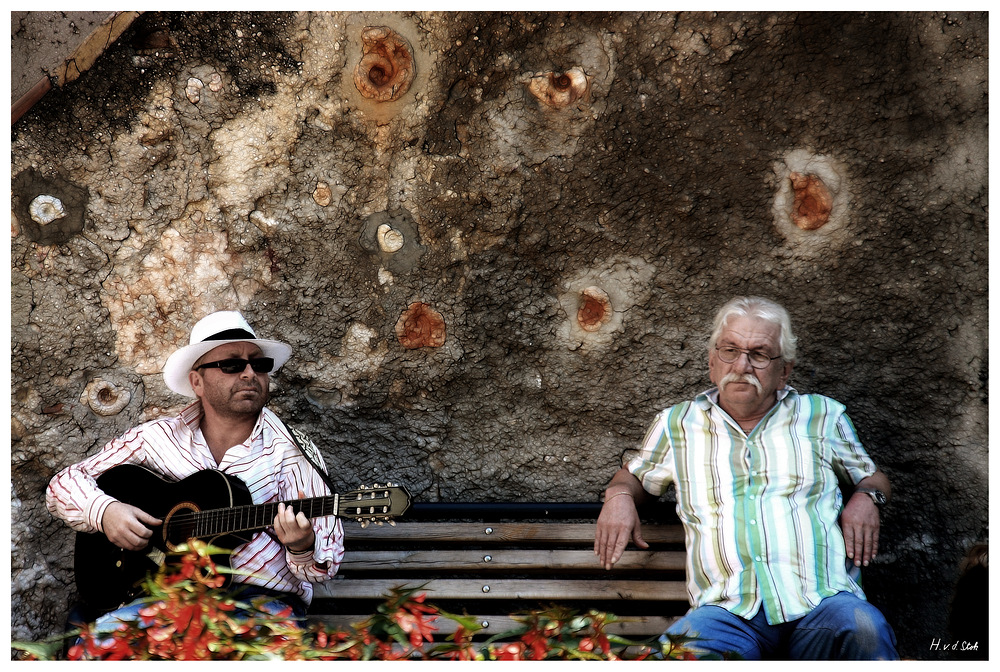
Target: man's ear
[
  {"x": 788, "y": 372},
  {"x": 195, "y": 379}
]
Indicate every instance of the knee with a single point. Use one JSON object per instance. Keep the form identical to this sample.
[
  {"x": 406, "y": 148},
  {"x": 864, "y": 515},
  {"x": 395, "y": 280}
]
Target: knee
[
  {"x": 866, "y": 635},
  {"x": 848, "y": 628},
  {"x": 709, "y": 632},
  {"x": 867, "y": 625}
]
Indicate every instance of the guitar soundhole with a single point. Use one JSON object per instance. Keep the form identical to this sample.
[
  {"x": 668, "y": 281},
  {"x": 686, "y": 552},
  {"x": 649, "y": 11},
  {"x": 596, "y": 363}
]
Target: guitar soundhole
[{"x": 179, "y": 525}]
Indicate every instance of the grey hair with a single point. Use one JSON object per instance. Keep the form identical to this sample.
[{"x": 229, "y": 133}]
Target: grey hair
[{"x": 761, "y": 308}]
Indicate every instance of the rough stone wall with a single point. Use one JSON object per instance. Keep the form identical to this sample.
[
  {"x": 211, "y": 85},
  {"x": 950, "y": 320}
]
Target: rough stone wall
[{"x": 497, "y": 246}]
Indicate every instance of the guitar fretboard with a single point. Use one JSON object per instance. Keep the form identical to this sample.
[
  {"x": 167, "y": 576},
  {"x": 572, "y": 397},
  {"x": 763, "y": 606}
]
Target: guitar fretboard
[
  {"x": 214, "y": 522},
  {"x": 364, "y": 505}
]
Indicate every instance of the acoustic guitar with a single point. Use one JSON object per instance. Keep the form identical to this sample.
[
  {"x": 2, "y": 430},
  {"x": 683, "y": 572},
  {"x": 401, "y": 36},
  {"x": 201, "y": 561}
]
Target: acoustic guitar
[{"x": 209, "y": 505}]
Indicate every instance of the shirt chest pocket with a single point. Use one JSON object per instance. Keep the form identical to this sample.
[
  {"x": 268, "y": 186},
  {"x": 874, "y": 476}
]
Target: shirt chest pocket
[{"x": 797, "y": 468}]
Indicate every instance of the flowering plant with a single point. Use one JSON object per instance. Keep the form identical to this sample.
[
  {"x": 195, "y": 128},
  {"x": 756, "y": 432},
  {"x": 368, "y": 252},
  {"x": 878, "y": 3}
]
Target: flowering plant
[{"x": 188, "y": 616}]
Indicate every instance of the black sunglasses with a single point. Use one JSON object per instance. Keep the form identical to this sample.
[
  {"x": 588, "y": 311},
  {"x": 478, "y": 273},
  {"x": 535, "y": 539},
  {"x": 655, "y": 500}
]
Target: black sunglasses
[{"x": 236, "y": 365}]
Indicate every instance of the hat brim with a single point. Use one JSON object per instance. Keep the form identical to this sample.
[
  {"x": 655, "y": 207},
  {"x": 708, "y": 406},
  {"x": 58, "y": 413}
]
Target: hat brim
[{"x": 175, "y": 371}]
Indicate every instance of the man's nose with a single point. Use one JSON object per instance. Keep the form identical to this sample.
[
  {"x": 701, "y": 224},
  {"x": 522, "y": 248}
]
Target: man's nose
[{"x": 743, "y": 362}]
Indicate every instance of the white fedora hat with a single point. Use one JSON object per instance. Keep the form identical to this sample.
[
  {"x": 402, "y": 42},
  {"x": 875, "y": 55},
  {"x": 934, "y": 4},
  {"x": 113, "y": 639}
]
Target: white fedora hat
[{"x": 227, "y": 326}]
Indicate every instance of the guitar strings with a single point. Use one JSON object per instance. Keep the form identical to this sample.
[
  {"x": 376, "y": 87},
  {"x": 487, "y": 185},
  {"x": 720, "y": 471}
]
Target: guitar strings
[{"x": 213, "y": 522}]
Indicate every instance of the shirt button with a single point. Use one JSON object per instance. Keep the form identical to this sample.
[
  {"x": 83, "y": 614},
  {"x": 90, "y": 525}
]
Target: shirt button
[
  {"x": 757, "y": 558},
  {"x": 753, "y": 522}
]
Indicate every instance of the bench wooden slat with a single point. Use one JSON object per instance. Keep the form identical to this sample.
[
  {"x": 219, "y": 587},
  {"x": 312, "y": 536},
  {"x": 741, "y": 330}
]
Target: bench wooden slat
[
  {"x": 498, "y": 533},
  {"x": 513, "y": 589},
  {"x": 634, "y": 626},
  {"x": 506, "y": 559}
]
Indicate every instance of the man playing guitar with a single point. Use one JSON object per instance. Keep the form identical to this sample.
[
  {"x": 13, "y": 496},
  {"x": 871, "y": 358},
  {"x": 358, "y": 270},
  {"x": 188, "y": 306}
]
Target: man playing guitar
[{"x": 225, "y": 368}]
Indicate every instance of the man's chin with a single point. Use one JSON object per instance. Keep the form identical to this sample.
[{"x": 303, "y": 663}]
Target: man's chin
[{"x": 245, "y": 407}]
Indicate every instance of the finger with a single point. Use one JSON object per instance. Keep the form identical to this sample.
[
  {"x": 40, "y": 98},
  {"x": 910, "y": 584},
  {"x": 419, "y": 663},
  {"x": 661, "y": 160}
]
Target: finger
[
  {"x": 620, "y": 545},
  {"x": 301, "y": 519},
  {"x": 870, "y": 544},
  {"x": 132, "y": 540},
  {"x": 849, "y": 541},
  {"x": 860, "y": 547},
  {"x": 603, "y": 549},
  {"x": 147, "y": 519},
  {"x": 610, "y": 557}
]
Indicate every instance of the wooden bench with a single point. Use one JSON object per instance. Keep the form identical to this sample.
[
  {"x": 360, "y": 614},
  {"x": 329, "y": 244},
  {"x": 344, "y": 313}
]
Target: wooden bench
[{"x": 490, "y": 560}]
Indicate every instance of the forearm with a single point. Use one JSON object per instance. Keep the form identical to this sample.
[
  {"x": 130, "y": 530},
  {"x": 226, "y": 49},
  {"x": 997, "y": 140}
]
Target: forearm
[
  {"x": 73, "y": 496},
  {"x": 877, "y": 481},
  {"x": 624, "y": 483}
]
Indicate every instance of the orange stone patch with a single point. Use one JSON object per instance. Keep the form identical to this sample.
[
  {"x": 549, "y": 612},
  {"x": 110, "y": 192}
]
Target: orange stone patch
[
  {"x": 813, "y": 201},
  {"x": 420, "y": 326},
  {"x": 595, "y": 309},
  {"x": 386, "y": 69}
]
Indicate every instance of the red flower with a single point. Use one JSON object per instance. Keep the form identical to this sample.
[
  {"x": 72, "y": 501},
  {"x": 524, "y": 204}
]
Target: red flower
[
  {"x": 512, "y": 651},
  {"x": 413, "y": 623},
  {"x": 538, "y": 643}
]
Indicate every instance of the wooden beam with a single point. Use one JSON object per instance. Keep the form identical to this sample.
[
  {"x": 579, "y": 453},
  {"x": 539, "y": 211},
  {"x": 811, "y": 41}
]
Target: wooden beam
[
  {"x": 504, "y": 589},
  {"x": 496, "y": 560},
  {"x": 497, "y": 533}
]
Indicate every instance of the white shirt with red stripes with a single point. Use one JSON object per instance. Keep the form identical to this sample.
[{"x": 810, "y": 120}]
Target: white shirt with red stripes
[{"x": 270, "y": 464}]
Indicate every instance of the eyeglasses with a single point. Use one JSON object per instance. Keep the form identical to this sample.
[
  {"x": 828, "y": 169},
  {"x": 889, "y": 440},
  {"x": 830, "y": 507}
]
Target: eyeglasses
[
  {"x": 236, "y": 365},
  {"x": 758, "y": 359}
]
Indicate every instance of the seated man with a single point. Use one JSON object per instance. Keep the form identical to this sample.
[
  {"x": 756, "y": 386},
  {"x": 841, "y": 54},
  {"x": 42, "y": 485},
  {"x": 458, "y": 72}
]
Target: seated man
[
  {"x": 225, "y": 367},
  {"x": 756, "y": 468}
]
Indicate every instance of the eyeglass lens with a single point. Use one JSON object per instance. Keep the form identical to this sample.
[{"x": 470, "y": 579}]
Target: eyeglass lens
[
  {"x": 236, "y": 365},
  {"x": 757, "y": 359}
]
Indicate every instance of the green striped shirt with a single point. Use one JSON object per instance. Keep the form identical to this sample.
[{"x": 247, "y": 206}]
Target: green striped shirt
[{"x": 759, "y": 512}]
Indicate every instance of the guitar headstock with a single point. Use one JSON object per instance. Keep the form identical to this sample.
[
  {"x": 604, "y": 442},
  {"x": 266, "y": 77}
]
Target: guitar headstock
[{"x": 374, "y": 504}]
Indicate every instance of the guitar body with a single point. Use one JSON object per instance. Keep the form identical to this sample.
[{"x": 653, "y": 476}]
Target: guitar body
[
  {"x": 108, "y": 576},
  {"x": 208, "y": 505}
]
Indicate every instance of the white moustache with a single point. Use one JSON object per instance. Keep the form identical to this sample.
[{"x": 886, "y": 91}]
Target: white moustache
[{"x": 741, "y": 378}]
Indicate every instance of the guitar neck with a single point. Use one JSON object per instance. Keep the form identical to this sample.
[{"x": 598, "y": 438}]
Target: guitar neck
[{"x": 254, "y": 517}]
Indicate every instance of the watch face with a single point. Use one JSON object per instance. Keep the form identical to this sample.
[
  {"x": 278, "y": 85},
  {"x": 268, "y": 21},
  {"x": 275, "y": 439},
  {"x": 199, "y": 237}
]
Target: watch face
[{"x": 878, "y": 496}]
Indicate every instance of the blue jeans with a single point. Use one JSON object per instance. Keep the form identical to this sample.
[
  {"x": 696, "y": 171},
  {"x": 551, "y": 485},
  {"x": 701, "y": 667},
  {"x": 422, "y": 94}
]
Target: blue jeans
[{"x": 841, "y": 627}]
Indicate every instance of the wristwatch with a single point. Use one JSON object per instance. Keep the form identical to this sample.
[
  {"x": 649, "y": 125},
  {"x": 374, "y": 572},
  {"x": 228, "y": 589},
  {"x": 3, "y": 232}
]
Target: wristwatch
[{"x": 877, "y": 496}]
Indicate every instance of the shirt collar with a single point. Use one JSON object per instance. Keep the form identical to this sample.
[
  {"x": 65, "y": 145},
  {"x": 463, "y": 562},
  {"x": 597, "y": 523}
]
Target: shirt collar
[{"x": 191, "y": 415}]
